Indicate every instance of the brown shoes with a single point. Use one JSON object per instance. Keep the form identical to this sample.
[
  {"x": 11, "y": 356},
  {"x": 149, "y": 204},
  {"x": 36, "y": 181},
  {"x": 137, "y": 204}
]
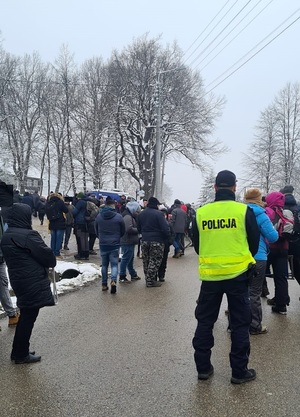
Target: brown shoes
[{"x": 13, "y": 320}]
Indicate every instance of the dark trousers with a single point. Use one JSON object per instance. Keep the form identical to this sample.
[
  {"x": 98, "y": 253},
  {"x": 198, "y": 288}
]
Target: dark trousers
[
  {"x": 294, "y": 249},
  {"x": 207, "y": 312},
  {"x": 163, "y": 266},
  {"x": 279, "y": 261},
  {"x": 256, "y": 284},
  {"x": 82, "y": 239},
  {"x": 92, "y": 239},
  {"x": 68, "y": 232},
  {"x": 20, "y": 347}
]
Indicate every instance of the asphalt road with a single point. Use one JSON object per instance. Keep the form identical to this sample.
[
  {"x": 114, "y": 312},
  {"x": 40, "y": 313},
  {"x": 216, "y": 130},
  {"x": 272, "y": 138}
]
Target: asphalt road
[{"x": 131, "y": 355}]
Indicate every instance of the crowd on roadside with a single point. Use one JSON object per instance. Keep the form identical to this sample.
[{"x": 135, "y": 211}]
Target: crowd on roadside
[
  {"x": 153, "y": 228},
  {"x": 82, "y": 215}
]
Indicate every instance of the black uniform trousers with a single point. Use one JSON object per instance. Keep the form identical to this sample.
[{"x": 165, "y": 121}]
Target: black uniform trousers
[{"x": 207, "y": 311}]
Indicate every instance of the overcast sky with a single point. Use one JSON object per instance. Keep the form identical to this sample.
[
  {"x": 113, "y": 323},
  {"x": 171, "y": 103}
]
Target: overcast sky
[{"x": 95, "y": 27}]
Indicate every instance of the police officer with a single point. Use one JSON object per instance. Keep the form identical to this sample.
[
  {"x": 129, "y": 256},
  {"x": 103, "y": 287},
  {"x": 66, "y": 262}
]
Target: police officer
[{"x": 226, "y": 238}]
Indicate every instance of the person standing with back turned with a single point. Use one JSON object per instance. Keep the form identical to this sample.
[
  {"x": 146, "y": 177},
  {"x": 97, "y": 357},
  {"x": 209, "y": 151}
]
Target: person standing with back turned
[
  {"x": 226, "y": 237},
  {"x": 28, "y": 259}
]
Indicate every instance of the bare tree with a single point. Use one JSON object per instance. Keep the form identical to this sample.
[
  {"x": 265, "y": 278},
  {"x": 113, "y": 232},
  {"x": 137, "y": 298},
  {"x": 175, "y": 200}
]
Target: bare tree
[
  {"x": 273, "y": 157},
  {"x": 187, "y": 117},
  {"x": 21, "y": 107}
]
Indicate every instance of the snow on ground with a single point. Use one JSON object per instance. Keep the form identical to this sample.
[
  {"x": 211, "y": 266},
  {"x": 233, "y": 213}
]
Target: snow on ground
[{"x": 87, "y": 272}]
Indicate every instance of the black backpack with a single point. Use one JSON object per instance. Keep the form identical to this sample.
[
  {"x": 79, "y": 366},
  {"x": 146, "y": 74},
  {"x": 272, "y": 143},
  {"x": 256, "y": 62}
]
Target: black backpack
[{"x": 52, "y": 210}]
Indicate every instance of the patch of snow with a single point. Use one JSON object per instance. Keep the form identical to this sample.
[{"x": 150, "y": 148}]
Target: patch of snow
[{"x": 88, "y": 272}]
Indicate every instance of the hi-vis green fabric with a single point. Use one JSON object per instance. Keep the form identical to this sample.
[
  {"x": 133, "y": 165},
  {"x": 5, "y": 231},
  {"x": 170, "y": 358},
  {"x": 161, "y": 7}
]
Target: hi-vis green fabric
[{"x": 223, "y": 248}]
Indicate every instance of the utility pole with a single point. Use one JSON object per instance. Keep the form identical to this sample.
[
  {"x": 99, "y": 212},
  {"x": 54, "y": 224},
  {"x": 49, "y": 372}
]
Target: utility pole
[{"x": 157, "y": 190}]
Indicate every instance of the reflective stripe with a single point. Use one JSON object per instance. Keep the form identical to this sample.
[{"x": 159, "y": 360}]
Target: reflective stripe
[
  {"x": 223, "y": 259},
  {"x": 220, "y": 271}
]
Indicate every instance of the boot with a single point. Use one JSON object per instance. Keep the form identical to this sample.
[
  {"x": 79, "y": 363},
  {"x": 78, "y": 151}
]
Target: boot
[
  {"x": 123, "y": 279},
  {"x": 151, "y": 284},
  {"x": 13, "y": 320}
]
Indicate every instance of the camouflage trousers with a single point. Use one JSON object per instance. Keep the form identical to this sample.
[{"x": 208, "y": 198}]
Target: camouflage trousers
[{"x": 152, "y": 256}]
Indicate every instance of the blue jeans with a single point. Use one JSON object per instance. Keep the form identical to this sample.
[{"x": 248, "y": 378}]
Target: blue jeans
[
  {"x": 207, "y": 312},
  {"x": 56, "y": 240},
  {"x": 109, "y": 257},
  {"x": 127, "y": 260},
  {"x": 177, "y": 242}
]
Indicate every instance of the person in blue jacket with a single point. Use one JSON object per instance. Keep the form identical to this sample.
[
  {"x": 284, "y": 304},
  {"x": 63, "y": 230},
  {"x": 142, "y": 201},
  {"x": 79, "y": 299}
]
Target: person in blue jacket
[{"x": 268, "y": 234}]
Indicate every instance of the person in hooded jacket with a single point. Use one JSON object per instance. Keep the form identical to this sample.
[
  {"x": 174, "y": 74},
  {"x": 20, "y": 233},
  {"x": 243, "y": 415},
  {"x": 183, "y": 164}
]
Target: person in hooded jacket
[
  {"x": 179, "y": 222},
  {"x": 294, "y": 244},
  {"x": 253, "y": 198},
  {"x": 129, "y": 240},
  {"x": 81, "y": 230},
  {"x": 278, "y": 258},
  {"x": 110, "y": 227},
  {"x": 27, "y": 258},
  {"x": 56, "y": 209}
]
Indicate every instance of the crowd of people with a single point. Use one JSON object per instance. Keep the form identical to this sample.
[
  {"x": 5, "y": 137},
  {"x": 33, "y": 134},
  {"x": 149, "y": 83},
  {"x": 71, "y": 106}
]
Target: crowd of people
[
  {"x": 237, "y": 243},
  {"x": 118, "y": 226}
]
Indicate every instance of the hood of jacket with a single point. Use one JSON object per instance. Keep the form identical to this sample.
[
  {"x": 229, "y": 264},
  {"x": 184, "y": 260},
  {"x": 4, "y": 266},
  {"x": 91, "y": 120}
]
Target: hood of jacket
[
  {"x": 19, "y": 215},
  {"x": 108, "y": 212},
  {"x": 290, "y": 200},
  {"x": 133, "y": 207},
  {"x": 275, "y": 199}
]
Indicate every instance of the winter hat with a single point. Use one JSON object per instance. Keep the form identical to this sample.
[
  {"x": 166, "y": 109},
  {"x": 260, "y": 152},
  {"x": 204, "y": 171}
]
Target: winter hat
[
  {"x": 225, "y": 179},
  {"x": 153, "y": 202},
  {"x": 80, "y": 195},
  {"x": 254, "y": 195},
  {"x": 177, "y": 201},
  {"x": 287, "y": 189},
  {"x": 109, "y": 201},
  {"x": 133, "y": 207}
]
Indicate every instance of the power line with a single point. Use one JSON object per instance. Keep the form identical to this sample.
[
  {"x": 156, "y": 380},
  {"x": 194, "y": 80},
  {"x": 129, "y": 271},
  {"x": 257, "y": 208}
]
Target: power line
[
  {"x": 207, "y": 26},
  {"x": 210, "y": 31},
  {"x": 244, "y": 63},
  {"x": 216, "y": 37},
  {"x": 252, "y": 49},
  {"x": 245, "y": 27}
]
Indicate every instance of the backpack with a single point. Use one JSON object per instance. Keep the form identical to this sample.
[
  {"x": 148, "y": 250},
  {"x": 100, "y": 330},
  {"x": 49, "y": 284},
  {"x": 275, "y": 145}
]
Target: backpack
[
  {"x": 52, "y": 211},
  {"x": 284, "y": 223},
  {"x": 91, "y": 211}
]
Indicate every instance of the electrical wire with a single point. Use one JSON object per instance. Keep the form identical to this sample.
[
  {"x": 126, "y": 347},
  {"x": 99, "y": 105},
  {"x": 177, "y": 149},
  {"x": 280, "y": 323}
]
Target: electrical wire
[
  {"x": 226, "y": 36},
  {"x": 244, "y": 63},
  {"x": 228, "y": 24},
  {"x": 242, "y": 30},
  {"x": 210, "y": 31}
]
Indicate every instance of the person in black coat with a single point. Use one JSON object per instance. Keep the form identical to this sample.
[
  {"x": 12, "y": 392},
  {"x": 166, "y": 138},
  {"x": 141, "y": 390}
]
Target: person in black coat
[
  {"x": 27, "y": 258},
  {"x": 56, "y": 211}
]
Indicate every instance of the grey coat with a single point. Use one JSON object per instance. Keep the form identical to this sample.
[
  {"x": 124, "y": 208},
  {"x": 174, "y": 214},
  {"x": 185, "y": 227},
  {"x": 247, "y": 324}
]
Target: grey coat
[{"x": 178, "y": 220}]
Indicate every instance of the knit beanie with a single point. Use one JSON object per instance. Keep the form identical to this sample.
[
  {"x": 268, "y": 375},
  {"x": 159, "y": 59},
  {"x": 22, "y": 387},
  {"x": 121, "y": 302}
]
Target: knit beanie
[
  {"x": 254, "y": 195},
  {"x": 287, "y": 189}
]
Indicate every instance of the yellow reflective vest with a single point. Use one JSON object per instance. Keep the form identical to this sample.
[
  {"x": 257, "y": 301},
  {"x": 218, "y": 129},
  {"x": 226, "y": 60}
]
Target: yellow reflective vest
[{"x": 223, "y": 248}]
